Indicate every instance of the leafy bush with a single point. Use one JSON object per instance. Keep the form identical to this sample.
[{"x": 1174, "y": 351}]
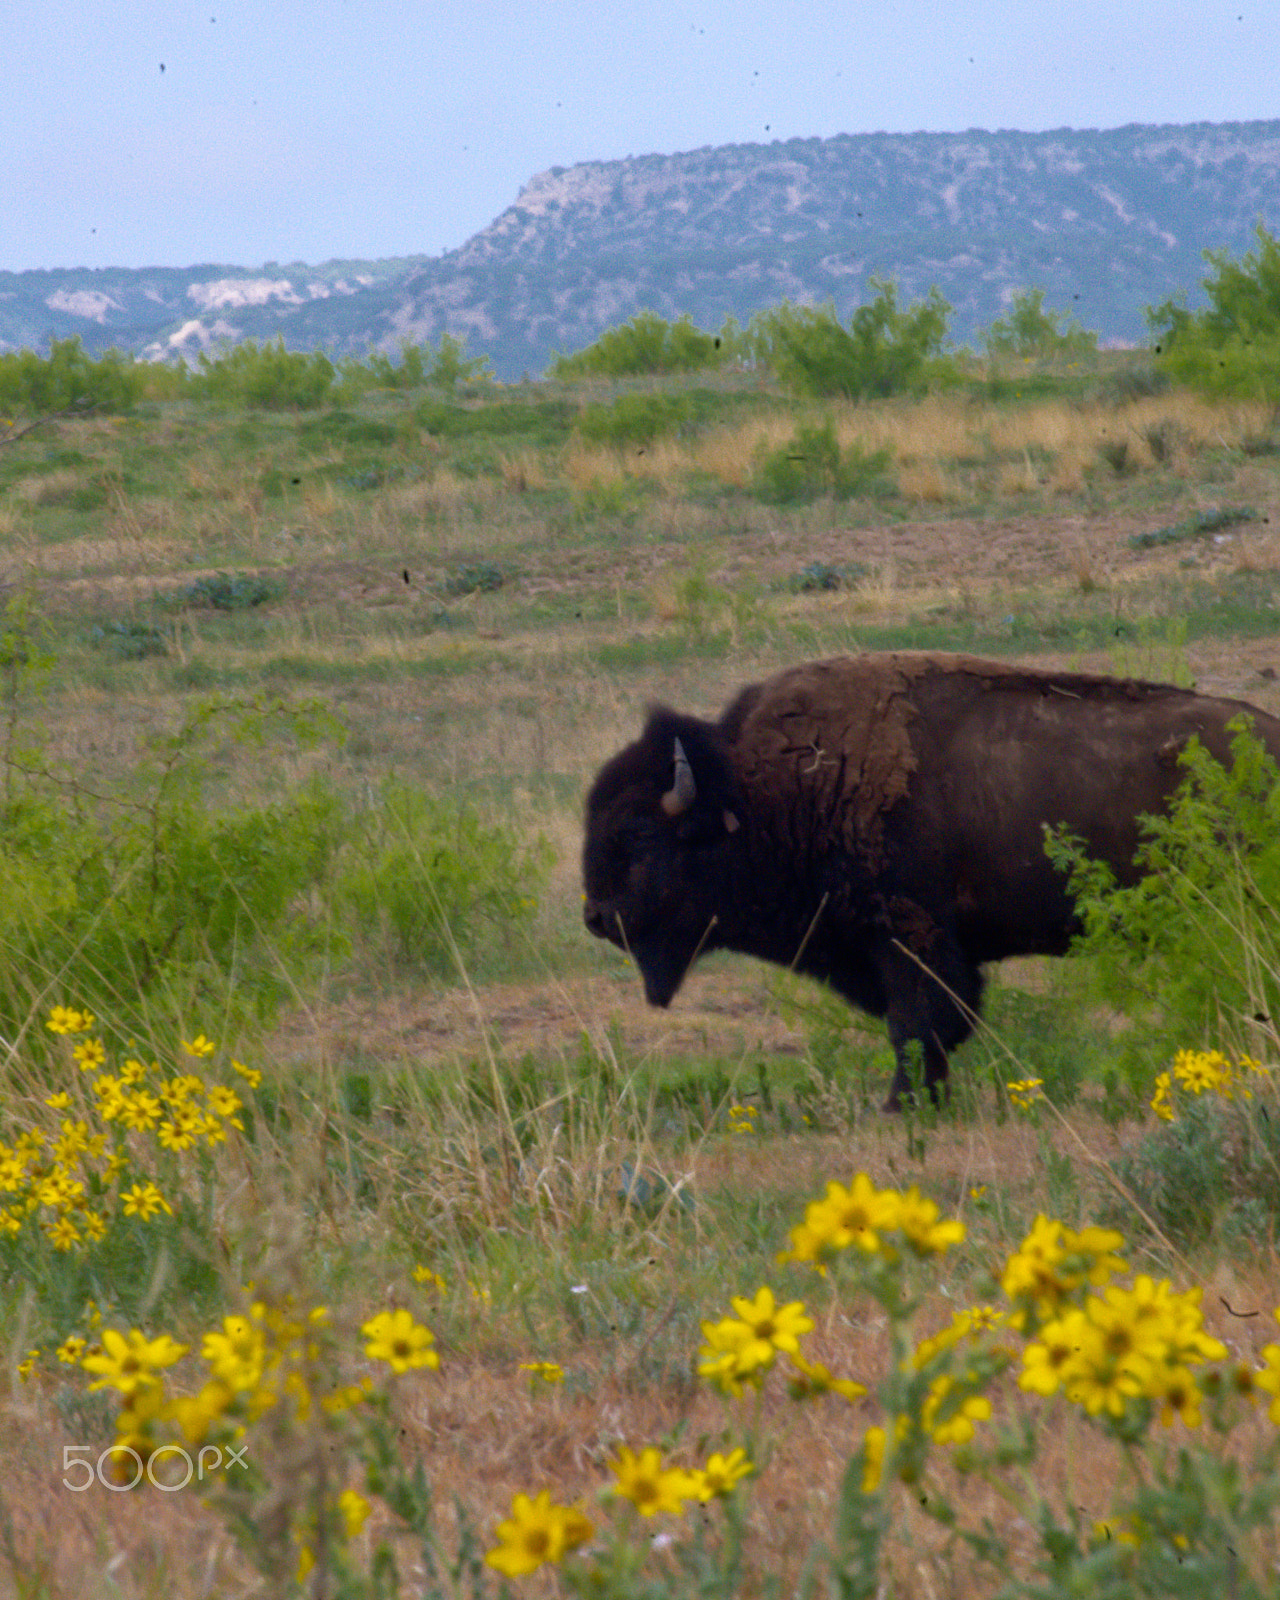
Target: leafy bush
[
  {"x": 1192, "y": 949},
  {"x": 430, "y": 884},
  {"x": 648, "y": 345},
  {"x": 229, "y": 591},
  {"x": 265, "y": 375},
  {"x": 1211, "y": 1164},
  {"x": 885, "y": 350},
  {"x": 341, "y": 427},
  {"x": 813, "y": 464},
  {"x": 478, "y": 577},
  {"x": 151, "y": 892},
  {"x": 68, "y": 380},
  {"x": 1232, "y": 347},
  {"x": 821, "y": 577},
  {"x": 634, "y": 419},
  {"x": 1029, "y": 331},
  {"x": 544, "y": 422},
  {"x": 129, "y": 640}
]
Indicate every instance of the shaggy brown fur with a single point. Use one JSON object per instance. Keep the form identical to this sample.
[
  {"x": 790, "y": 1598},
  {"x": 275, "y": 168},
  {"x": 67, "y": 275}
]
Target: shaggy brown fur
[{"x": 878, "y": 822}]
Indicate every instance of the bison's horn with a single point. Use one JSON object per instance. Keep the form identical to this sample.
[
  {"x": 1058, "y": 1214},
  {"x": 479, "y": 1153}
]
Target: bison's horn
[{"x": 684, "y": 791}]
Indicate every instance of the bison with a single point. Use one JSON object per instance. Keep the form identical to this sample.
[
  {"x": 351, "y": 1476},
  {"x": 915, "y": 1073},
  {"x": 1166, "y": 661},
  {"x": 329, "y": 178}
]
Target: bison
[{"x": 877, "y": 821}]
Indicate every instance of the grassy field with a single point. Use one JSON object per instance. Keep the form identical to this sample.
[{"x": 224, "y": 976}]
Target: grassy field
[{"x": 473, "y": 600}]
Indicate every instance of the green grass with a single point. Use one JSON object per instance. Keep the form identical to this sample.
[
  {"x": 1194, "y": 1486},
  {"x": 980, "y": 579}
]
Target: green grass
[{"x": 503, "y": 1108}]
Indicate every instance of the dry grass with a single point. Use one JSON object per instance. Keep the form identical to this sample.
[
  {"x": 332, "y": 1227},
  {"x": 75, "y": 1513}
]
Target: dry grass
[
  {"x": 924, "y": 437},
  {"x": 510, "y": 706},
  {"x": 483, "y": 1434}
]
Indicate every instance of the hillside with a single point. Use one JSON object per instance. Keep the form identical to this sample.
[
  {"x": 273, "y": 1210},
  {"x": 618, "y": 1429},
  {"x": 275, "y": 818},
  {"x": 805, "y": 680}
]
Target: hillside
[{"x": 1106, "y": 222}]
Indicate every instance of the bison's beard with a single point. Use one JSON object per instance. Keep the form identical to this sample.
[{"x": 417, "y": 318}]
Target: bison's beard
[{"x": 663, "y": 970}]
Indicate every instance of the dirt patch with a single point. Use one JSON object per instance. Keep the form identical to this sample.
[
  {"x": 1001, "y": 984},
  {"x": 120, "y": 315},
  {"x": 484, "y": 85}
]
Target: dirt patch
[{"x": 719, "y": 1012}]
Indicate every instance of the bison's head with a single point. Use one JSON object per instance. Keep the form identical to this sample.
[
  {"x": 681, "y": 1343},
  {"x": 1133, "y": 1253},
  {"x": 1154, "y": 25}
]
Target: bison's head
[{"x": 660, "y": 822}]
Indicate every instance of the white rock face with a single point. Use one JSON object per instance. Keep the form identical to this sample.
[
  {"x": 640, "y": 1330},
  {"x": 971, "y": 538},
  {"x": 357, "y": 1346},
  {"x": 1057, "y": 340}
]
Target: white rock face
[
  {"x": 91, "y": 304},
  {"x": 220, "y": 292}
]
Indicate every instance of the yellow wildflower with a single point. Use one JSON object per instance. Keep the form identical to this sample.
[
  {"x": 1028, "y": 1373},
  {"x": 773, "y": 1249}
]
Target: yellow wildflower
[
  {"x": 394, "y": 1337},
  {"x": 199, "y": 1046},
  {"x": 138, "y": 1110},
  {"x": 1025, "y": 1093},
  {"x": 853, "y": 1216},
  {"x": 130, "y": 1363},
  {"x": 196, "y": 1414},
  {"x": 721, "y": 1475},
  {"x": 354, "y": 1509},
  {"x": 918, "y": 1220},
  {"x": 62, "y": 1019},
  {"x": 1268, "y": 1380},
  {"x": 144, "y": 1200},
  {"x": 237, "y": 1356},
  {"x": 63, "y": 1234},
  {"x": 948, "y": 1420},
  {"x": 90, "y": 1054},
  {"x": 648, "y": 1485},
  {"x": 549, "y": 1372},
  {"x": 537, "y": 1532},
  {"x": 225, "y": 1102}
]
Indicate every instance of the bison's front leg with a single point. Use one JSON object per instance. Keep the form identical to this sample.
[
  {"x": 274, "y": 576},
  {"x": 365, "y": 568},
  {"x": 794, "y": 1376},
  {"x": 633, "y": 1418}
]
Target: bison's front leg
[{"x": 932, "y": 991}]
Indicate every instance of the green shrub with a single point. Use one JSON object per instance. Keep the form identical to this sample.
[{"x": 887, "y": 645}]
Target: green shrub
[
  {"x": 634, "y": 419},
  {"x": 649, "y": 345},
  {"x": 1192, "y": 949},
  {"x": 813, "y": 464},
  {"x": 1211, "y": 1164},
  {"x": 1029, "y": 331},
  {"x": 265, "y": 375},
  {"x": 228, "y": 591},
  {"x": 885, "y": 350},
  {"x": 129, "y": 639},
  {"x": 478, "y": 577},
  {"x": 137, "y": 887},
  {"x": 341, "y": 427},
  {"x": 429, "y": 884},
  {"x": 543, "y": 422},
  {"x": 68, "y": 380},
  {"x": 1232, "y": 347}
]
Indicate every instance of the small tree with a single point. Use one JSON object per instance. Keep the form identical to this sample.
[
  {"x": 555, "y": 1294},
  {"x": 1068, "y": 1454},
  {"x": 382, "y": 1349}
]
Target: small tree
[
  {"x": 885, "y": 349},
  {"x": 1232, "y": 347},
  {"x": 68, "y": 380},
  {"x": 1029, "y": 331},
  {"x": 450, "y": 366},
  {"x": 648, "y": 345}
]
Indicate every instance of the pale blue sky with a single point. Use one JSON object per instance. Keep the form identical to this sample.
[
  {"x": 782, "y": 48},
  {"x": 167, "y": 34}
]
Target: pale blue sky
[{"x": 310, "y": 129}]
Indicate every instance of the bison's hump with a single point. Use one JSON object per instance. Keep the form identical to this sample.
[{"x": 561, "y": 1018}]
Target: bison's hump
[{"x": 837, "y": 732}]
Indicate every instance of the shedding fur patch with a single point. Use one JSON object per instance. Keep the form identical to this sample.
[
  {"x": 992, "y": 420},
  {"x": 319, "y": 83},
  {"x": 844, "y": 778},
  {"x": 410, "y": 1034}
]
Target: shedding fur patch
[{"x": 837, "y": 733}]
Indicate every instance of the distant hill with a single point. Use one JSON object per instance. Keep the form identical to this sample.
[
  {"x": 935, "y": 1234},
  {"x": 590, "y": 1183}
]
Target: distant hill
[{"x": 1106, "y": 222}]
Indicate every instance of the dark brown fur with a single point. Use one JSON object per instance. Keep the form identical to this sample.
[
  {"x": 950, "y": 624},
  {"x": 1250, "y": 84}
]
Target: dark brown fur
[{"x": 878, "y": 822}]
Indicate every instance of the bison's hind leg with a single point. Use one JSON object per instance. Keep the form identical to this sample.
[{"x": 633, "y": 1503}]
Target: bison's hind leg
[{"x": 932, "y": 1007}]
